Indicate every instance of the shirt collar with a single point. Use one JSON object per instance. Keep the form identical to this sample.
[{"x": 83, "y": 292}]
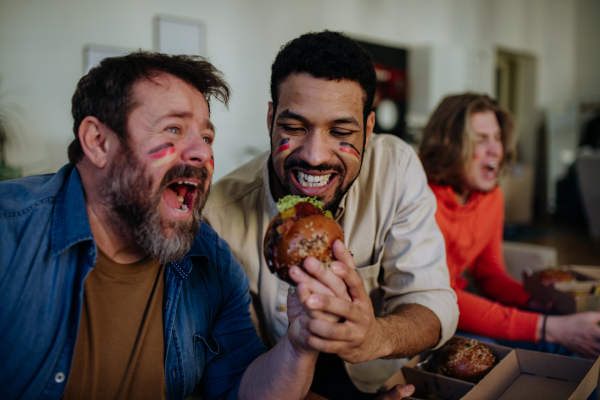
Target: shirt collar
[{"x": 70, "y": 222}]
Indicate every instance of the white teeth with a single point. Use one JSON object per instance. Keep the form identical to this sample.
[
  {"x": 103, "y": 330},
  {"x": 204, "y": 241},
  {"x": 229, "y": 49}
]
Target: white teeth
[
  {"x": 313, "y": 180},
  {"x": 187, "y": 183},
  {"x": 184, "y": 207}
]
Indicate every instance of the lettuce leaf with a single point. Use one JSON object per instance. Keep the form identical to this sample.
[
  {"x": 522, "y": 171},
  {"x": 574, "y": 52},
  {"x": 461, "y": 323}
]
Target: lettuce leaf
[{"x": 290, "y": 201}]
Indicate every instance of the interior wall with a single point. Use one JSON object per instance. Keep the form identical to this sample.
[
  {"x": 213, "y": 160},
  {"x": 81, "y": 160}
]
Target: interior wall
[{"x": 41, "y": 45}]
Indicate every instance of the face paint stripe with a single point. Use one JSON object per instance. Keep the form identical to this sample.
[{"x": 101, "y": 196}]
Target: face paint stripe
[
  {"x": 348, "y": 148},
  {"x": 281, "y": 154},
  {"x": 282, "y": 148},
  {"x": 210, "y": 166},
  {"x": 163, "y": 153},
  {"x": 165, "y": 159}
]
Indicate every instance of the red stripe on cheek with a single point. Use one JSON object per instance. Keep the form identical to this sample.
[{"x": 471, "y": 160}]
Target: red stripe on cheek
[
  {"x": 350, "y": 151},
  {"x": 279, "y": 155},
  {"x": 163, "y": 153},
  {"x": 282, "y": 148}
]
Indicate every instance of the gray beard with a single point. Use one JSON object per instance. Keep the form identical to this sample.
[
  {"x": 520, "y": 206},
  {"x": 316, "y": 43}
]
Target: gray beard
[{"x": 134, "y": 211}]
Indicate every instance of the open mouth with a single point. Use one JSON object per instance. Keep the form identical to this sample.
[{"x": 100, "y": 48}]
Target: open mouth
[
  {"x": 307, "y": 180},
  {"x": 180, "y": 195},
  {"x": 313, "y": 183},
  {"x": 490, "y": 170}
]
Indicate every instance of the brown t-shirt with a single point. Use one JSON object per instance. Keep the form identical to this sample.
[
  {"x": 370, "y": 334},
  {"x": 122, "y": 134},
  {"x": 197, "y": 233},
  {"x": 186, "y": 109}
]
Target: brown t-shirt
[{"x": 120, "y": 347}]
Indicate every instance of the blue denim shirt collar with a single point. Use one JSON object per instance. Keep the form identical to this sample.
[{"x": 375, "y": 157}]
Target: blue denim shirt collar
[{"x": 70, "y": 222}]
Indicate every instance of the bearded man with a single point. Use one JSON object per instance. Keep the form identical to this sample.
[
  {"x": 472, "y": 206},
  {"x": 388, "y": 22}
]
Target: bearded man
[
  {"x": 320, "y": 125},
  {"x": 111, "y": 287}
]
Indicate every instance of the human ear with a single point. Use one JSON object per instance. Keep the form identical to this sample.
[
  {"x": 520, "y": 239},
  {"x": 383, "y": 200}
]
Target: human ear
[
  {"x": 93, "y": 136},
  {"x": 369, "y": 127},
  {"x": 270, "y": 114}
]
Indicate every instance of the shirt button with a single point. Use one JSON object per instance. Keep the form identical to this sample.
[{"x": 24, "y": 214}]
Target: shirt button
[
  {"x": 281, "y": 308},
  {"x": 59, "y": 377}
]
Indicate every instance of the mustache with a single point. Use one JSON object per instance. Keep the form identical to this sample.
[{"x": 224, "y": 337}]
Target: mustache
[
  {"x": 294, "y": 163},
  {"x": 184, "y": 171}
]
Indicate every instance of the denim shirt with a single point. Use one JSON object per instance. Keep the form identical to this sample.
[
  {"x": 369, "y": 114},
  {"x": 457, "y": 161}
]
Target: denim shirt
[{"x": 47, "y": 250}]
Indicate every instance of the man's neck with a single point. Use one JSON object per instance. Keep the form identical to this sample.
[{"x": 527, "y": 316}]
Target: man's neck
[
  {"x": 105, "y": 235},
  {"x": 274, "y": 184}
]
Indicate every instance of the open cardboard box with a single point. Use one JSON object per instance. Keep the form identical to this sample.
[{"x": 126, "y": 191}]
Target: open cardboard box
[
  {"x": 520, "y": 375},
  {"x": 561, "y": 294},
  {"x": 428, "y": 383},
  {"x": 525, "y": 375}
]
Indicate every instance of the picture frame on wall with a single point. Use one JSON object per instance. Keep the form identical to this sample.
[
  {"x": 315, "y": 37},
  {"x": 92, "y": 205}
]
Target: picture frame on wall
[{"x": 179, "y": 35}]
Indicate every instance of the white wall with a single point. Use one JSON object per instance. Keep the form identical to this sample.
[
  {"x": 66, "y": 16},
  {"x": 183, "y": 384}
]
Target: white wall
[{"x": 41, "y": 44}]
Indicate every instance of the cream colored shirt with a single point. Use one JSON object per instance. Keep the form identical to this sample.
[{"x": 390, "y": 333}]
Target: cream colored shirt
[{"x": 388, "y": 217}]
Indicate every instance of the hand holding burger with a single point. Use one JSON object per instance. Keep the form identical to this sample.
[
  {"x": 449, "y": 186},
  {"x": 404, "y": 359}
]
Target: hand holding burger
[{"x": 301, "y": 229}]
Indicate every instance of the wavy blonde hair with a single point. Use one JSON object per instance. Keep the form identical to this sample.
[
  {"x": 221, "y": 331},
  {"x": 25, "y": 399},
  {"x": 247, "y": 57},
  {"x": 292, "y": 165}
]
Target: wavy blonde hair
[{"x": 449, "y": 140}]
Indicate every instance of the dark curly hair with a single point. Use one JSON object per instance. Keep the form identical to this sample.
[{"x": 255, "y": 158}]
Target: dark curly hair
[
  {"x": 106, "y": 91},
  {"x": 327, "y": 55}
]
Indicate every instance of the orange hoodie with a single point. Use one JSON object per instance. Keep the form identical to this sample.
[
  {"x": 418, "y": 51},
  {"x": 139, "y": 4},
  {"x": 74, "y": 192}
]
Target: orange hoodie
[{"x": 473, "y": 235}]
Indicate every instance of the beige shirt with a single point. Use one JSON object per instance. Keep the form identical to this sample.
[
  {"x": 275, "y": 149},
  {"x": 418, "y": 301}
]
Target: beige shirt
[{"x": 388, "y": 217}]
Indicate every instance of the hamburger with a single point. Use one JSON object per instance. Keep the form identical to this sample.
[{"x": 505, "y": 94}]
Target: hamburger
[
  {"x": 465, "y": 359},
  {"x": 301, "y": 229},
  {"x": 551, "y": 276}
]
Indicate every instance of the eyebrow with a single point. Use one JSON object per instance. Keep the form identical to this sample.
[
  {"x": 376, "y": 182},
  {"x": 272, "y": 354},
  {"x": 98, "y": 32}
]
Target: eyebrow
[
  {"x": 186, "y": 114},
  {"x": 285, "y": 114}
]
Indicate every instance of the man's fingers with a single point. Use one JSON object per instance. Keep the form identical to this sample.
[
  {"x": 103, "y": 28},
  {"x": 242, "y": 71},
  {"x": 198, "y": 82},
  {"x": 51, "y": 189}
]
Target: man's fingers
[
  {"x": 397, "y": 392},
  {"x": 301, "y": 277},
  {"x": 341, "y": 253},
  {"x": 303, "y": 292},
  {"x": 333, "y": 305},
  {"x": 323, "y": 274}
]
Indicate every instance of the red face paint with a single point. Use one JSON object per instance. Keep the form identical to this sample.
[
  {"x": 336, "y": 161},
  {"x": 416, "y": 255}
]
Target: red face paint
[
  {"x": 162, "y": 154},
  {"x": 283, "y": 149},
  {"x": 210, "y": 166},
  {"x": 348, "y": 148}
]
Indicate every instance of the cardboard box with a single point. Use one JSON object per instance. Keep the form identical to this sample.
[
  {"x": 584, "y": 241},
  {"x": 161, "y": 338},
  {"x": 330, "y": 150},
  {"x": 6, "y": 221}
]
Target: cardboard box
[
  {"x": 430, "y": 383},
  {"x": 525, "y": 375},
  {"x": 520, "y": 375},
  {"x": 561, "y": 294}
]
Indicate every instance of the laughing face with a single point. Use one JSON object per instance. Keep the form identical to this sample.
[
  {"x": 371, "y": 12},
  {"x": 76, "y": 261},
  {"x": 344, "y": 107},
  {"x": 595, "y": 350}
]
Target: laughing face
[
  {"x": 161, "y": 177},
  {"x": 482, "y": 172},
  {"x": 317, "y": 138}
]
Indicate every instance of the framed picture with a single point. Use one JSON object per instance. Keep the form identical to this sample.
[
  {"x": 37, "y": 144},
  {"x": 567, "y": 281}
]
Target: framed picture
[
  {"x": 178, "y": 35},
  {"x": 94, "y": 53},
  {"x": 391, "y": 93}
]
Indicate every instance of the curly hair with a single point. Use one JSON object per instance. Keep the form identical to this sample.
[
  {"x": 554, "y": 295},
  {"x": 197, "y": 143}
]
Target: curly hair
[
  {"x": 106, "y": 91},
  {"x": 448, "y": 139},
  {"x": 327, "y": 55}
]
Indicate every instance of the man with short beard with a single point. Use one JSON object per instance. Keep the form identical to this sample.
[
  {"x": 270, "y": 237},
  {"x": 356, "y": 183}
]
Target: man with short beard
[
  {"x": 111, "y": 288},
  {"x": 320, "y": 125}
]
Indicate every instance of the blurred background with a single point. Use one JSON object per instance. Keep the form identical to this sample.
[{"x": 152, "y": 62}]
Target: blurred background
[{"x": 539, "y": 58}]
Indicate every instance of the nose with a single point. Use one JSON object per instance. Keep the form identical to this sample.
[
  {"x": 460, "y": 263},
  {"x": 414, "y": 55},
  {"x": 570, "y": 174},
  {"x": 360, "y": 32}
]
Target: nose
[
  {"x": 315, "y": 150},
  {"x": 495, "y": 148},
  {"x": 197, "y": 152}
]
